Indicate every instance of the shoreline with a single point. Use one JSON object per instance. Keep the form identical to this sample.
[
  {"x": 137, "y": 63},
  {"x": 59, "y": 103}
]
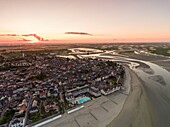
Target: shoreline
[{"x": 135, "y": 107}]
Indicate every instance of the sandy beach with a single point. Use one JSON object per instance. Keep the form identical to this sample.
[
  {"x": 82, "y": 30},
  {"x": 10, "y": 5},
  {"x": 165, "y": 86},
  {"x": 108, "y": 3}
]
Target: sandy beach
[
  {"x": 135, "y": 112},
  {"x": 148, "y": 104}
]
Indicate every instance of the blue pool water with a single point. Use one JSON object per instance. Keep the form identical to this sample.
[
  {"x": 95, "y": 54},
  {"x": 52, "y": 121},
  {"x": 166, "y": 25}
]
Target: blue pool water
[{"x": 84, "y": 99}]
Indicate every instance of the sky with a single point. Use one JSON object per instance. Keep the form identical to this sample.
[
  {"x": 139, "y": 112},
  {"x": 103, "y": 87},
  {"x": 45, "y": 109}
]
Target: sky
[{"x": 85, "y": 20}]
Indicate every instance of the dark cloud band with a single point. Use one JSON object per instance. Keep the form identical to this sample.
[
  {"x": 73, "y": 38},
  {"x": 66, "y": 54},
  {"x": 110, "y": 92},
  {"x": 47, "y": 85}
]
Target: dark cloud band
[
  {"x": 79, "y": 33},
  {"x": 25, "y": 35}
]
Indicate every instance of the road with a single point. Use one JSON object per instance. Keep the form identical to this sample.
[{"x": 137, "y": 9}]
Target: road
[{"x": 30, "y": 101}]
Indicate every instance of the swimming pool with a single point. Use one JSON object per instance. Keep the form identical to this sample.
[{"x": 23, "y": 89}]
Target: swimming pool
[{"x": 82, "y": 100}]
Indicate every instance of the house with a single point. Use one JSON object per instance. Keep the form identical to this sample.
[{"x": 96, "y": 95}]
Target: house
[
  {"x": 34, "y": 103},
  {"x": 109, "y": 91},
  {"x": 43, "y": 94},
  {"x": 94, "y": 91},
  {"x": 54, "y": 92},
  {"x": 27, "y": 94},
  {"x": 50, "y": 106},
  {"x": 34, "y": 109},
  {"x": 98, "y": 79},
  {"x": 48, "y": 94},
  {"x": 22, "y": 107},
  {"x": 76, "y": 91},
  {"x": 17, "y": 122}
]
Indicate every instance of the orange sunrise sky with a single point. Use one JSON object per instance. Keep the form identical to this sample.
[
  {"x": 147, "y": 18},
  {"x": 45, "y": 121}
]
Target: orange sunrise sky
[{"x": 84, "y": 21}]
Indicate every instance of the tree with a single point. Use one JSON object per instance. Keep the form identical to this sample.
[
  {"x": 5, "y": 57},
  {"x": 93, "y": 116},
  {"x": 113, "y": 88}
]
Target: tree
[{"x": 41, "y": 76}]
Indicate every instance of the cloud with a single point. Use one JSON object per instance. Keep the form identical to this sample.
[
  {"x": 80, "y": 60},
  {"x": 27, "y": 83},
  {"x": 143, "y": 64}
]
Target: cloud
[
  {"x": 25, "y": 35},
  {"x": 34, "y": 35},
  {"x": 9, "y": 35},
  {"x": 25, "y": 39},
  {"x": 79, "y": 33}
]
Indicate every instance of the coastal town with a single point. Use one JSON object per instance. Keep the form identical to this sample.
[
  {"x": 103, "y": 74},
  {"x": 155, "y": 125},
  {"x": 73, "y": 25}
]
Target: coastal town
[{"x": 37, "y": 86}]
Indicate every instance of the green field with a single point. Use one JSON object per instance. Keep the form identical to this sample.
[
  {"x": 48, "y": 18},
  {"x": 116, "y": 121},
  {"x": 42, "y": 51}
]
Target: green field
[{"x": 162, "y": 51}]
